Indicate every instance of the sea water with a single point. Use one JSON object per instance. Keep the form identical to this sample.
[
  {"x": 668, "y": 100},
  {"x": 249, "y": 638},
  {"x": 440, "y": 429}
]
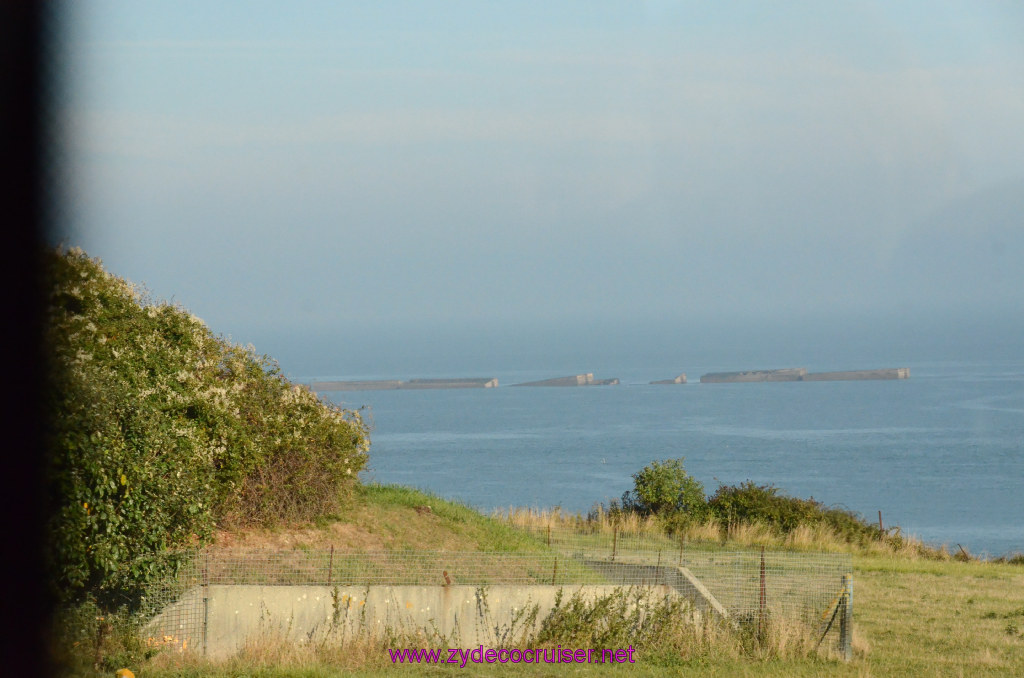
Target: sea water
[{"x": 941, "y": 454}]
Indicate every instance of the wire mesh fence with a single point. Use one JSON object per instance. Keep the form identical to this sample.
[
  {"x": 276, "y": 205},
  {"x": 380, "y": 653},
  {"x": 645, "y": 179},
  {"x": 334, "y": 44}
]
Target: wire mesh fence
[
  {"x": 811, "y": 592},
  {"x": 172, "y": 611},
  {"x": 793, "y": 581}
]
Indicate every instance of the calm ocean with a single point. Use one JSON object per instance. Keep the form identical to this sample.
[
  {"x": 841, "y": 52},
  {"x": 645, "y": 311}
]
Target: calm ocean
[{"x": 941, "y": 454}]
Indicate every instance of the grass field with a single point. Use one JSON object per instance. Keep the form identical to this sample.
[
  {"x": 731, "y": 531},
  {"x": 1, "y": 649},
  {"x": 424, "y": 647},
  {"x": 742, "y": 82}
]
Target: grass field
[
  {"x": 913, "y": 616},
  {"x": 392, "y": 517}
]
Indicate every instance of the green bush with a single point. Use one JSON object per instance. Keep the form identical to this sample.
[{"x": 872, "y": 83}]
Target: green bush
[
  {"x": 749, "y": 502},
  {"x": 665, "y": 489},
  {"x": 627, "y": 617},
  {"x": 161, "y": 432}
]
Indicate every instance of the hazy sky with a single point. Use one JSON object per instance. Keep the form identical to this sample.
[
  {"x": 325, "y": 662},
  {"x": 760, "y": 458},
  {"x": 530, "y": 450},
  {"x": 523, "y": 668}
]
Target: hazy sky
[{"x": 324, "y": 166}]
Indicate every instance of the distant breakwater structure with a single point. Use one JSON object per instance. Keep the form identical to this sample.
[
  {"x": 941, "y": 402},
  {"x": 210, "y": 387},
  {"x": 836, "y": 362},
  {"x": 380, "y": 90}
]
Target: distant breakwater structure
[
  {"x": 801, "y": 374},
  {"x": 395, "y": 384},
  {"x": 587, "y": 379}
]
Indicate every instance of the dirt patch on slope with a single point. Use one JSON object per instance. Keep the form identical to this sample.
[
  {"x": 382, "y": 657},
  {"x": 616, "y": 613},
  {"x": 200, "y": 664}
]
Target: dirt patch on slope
[{"x": 342, "y": 536}]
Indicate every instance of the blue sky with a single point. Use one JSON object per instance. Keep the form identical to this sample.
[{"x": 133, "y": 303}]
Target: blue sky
[{"x": 326, "y": 166}]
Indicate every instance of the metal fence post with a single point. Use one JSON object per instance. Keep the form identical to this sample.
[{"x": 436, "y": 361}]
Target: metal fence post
[
  {"x": 206, "y": 596},
  {"x": 846, "y": 619},
  {"x": 735, "y": 580},
  {"x": 762, "y": 602}
]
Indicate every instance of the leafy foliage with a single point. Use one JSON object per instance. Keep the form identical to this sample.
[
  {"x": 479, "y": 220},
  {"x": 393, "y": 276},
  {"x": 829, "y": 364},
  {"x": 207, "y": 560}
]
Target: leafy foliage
[
  {"x": 161, "y": 432},
  {"x": 749, "y": 502},
  {"x": 626, "y": 617},
  {"x": 665, "y": 489}
]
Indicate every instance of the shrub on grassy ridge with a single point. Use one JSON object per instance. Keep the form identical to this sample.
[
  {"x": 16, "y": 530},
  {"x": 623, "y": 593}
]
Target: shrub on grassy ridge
[
  {"x": 160, "y": 431},
  {"x": 750, "y": 503},
  {"x": 665, "y": 489}
]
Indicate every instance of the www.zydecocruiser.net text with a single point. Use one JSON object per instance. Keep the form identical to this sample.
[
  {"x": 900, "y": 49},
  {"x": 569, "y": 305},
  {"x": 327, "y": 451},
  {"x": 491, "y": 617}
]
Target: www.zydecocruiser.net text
[{"x": 559, "y": 655}]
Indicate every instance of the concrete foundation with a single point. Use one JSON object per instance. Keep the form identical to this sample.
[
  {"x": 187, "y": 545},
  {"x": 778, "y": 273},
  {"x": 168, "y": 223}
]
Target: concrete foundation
[
  {"x": 446, "y": 616},
  {"x": 681, "y": 379},
  {"x": 586, "y": 379},
  {"x": 859, "y": 375},
  {"x": 801, "y": 374},
  {"x": 395, "y": 384},
  {"x": 785, "y": 374}
]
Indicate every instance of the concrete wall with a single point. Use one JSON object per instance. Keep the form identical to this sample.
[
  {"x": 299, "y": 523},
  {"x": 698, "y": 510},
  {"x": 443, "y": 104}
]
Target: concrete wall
[
  {"x": 380, "y": 385},
  {"x": 678, "y": 578},
  {"x": 801, "y": 374},
  {"x": 482, "y": 382},
  {"x": 574, "y": 380},
  {"x": 856, "y": 375},
  {"x": 785, "y": 374},
  {"x": 390, "y": 384},
  {"x": 449, "y": 616},
  {"x": 681, "y": 379}
]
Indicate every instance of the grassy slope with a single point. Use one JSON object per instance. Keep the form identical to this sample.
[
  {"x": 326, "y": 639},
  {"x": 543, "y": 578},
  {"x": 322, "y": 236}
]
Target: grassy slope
[
  {"x": 941, "y": 619},
  {"x": 912, "y": 617},
  {"x": 915, "y": 619},
  {"x": 390, "y": 517}
]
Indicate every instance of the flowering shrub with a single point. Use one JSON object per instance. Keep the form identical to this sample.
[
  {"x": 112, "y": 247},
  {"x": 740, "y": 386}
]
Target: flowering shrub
[{"x": 161, "y": 431}]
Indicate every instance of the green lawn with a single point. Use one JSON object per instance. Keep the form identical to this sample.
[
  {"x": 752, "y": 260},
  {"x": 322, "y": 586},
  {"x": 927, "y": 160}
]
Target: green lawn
[{"x": 912, "y": 618}]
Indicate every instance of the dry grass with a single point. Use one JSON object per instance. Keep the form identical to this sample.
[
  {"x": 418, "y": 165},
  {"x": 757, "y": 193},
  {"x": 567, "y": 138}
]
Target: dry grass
[
  {"x": 917, "y": 611},
  {"x": 940, "y": 618},
  {"x": 681, "y": 642},
  {"x": 343, "y": 536},
  {"x": 385, "y": 517},
  {"x": 599, "y": 521},
  {"x": 817, "y": 537},
  {"x": 751, "y": 534},
  {"x": 267, "y": 653},
  {"x": 912, "y": 618}
]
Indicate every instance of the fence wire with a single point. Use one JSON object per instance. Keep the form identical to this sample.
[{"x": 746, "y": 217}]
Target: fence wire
[
  {"x": 809, "y": 591},
  {"x": 172, "y": 613},
  {"x": 795, "y": 583}
]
